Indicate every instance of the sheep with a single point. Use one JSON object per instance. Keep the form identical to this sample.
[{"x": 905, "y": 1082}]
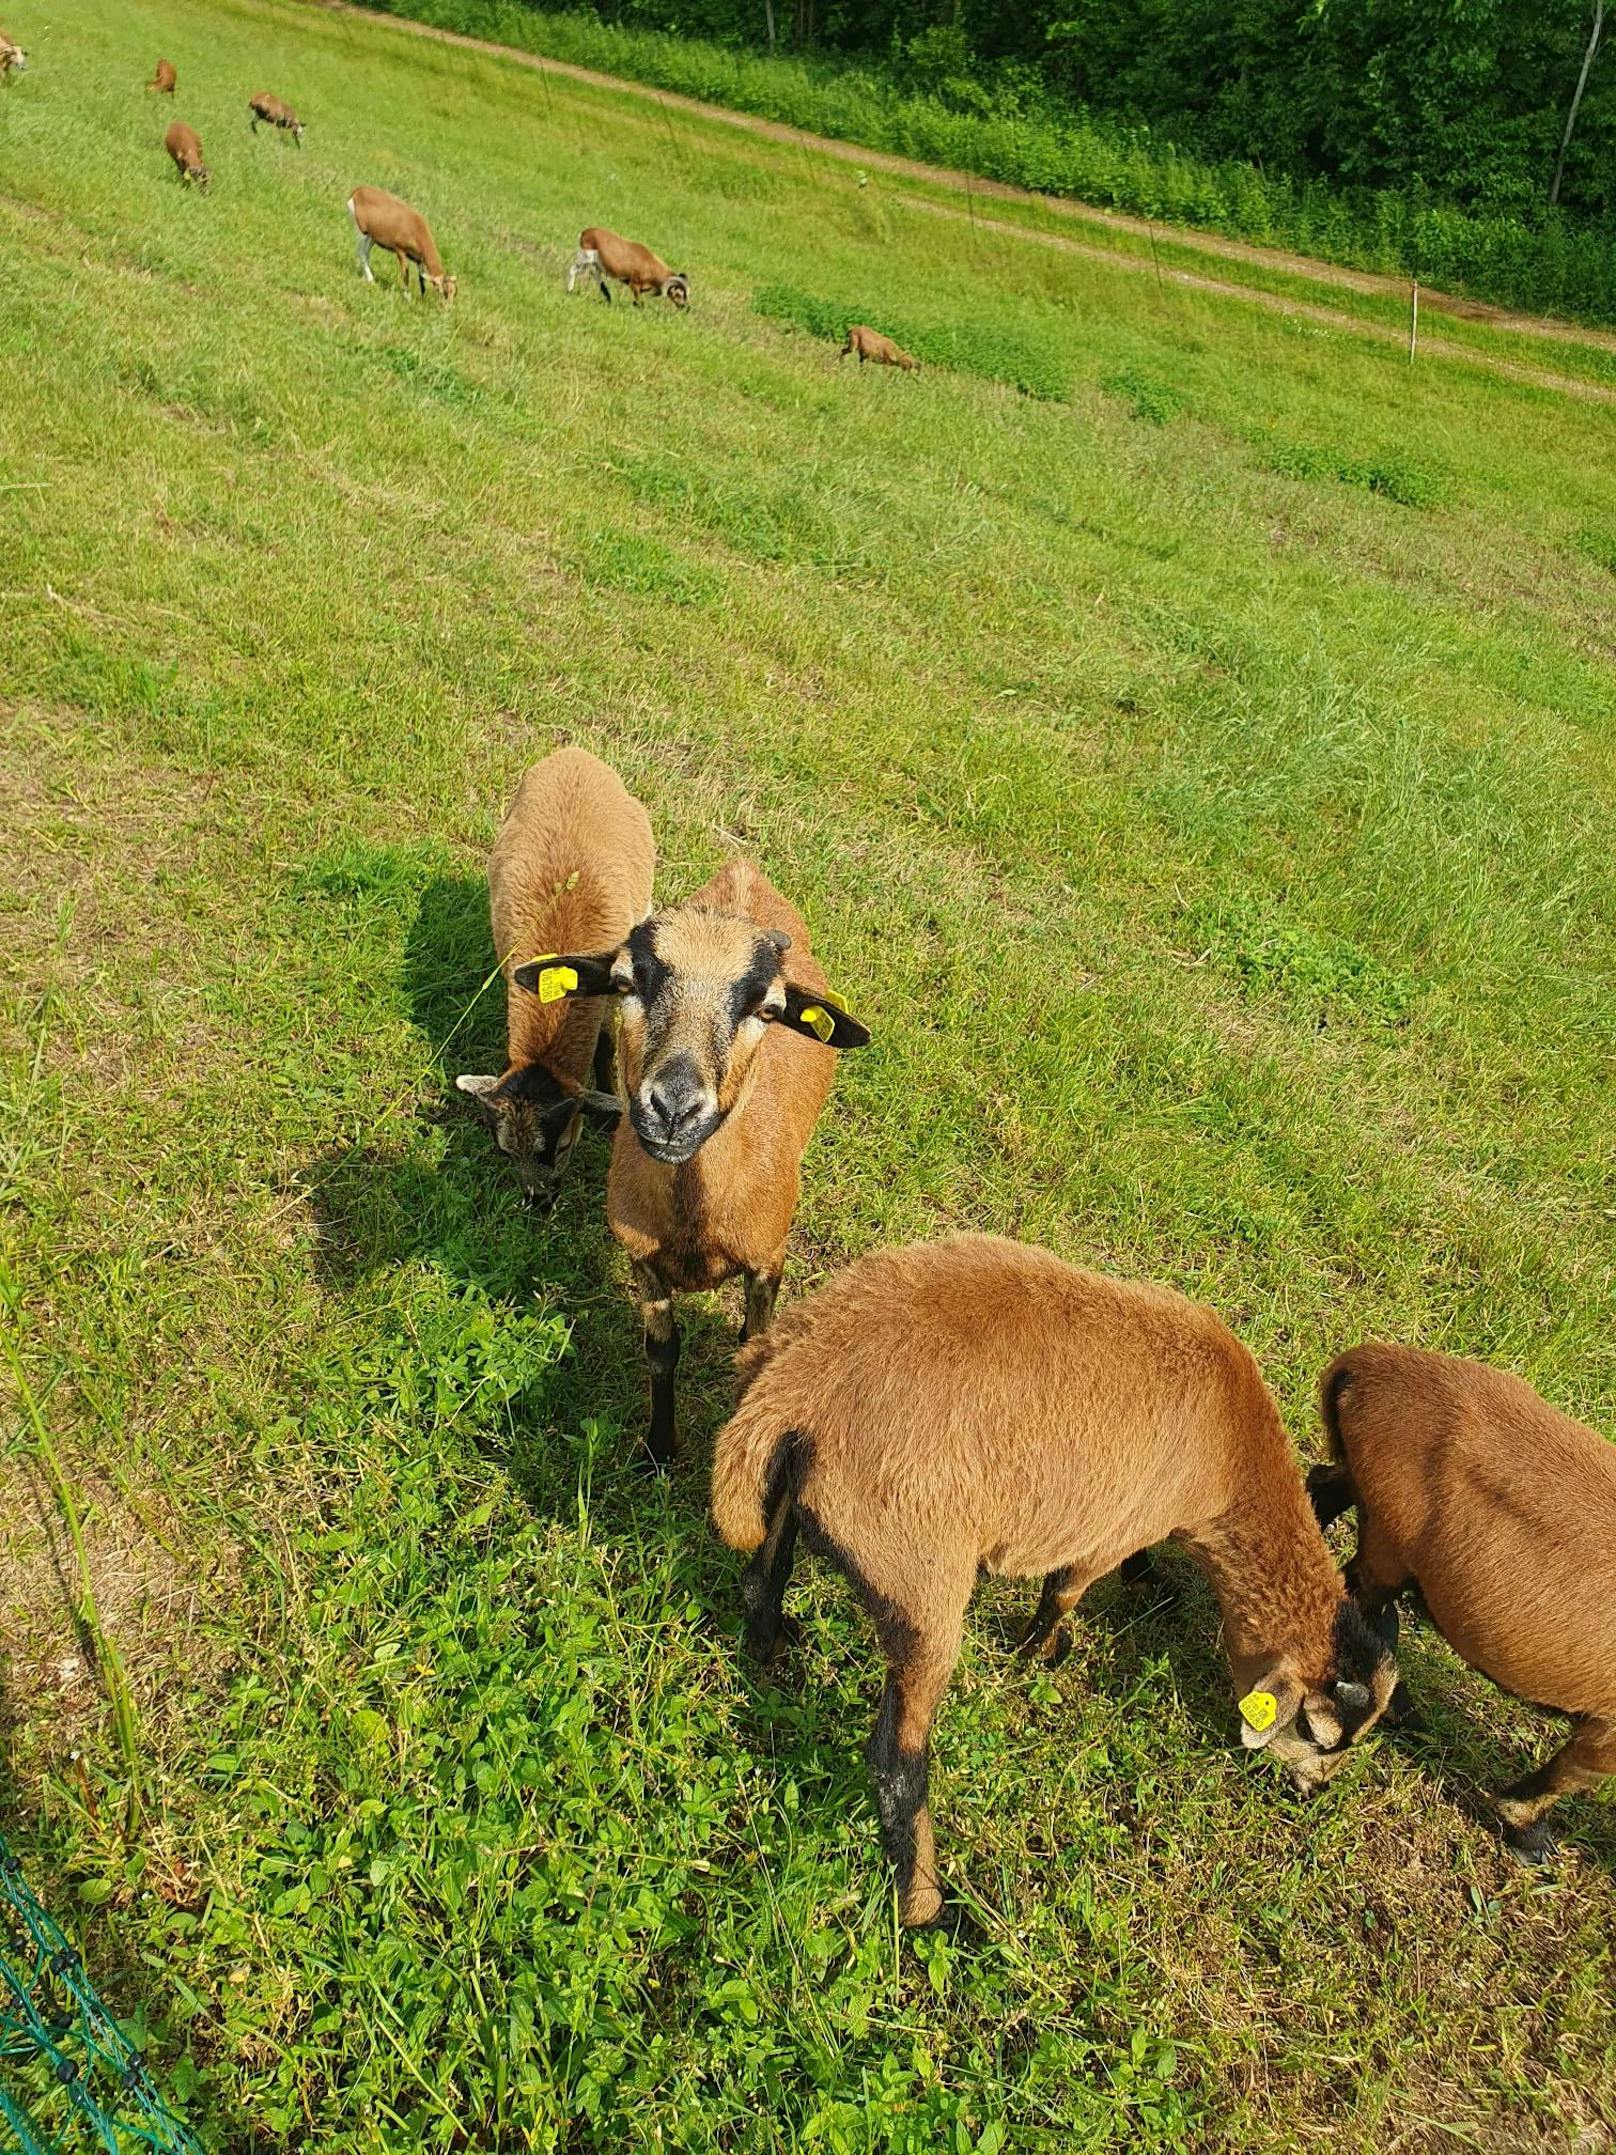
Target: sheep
[
  {"x": 13, "y": 60},
  {"x": 1500, "y": 1513},
  {"x": 724, "y": 1063},
  {"x": 870, "y": 344},
  {"x": 601, "y": 254},
  {"x": 184, "y": 145},
  {"x": 381, "y": 220},
  {"x": 571, "y": 866},
  {"x": 163, "y": 78},
  {"x": 979, "y": 1404},
  {"x": 264, "y": 108}
]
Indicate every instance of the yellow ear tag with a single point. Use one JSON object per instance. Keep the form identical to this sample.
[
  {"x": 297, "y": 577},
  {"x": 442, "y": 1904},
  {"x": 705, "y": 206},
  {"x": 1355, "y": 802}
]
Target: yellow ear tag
[
  {"x": 556, "y": 981},
  {"x": 1259, "y": 1710},
  {"x": 821, "y": 1020}
]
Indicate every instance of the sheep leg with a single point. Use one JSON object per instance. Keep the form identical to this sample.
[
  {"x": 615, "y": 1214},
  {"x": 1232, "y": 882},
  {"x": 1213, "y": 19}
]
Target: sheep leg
[
  {"x": 662, "y": 1355},
  {"x": 763, "y": 1586},
  {"x": 762, "y": 1288},
  {"x": 364, "y": 255},
  {"x": 1523, "y": 1807},
  {"x": 1046, "y": 1637},
  {"x": 899, "y": 1756},
  {"x": 1332, "y": 1493}
]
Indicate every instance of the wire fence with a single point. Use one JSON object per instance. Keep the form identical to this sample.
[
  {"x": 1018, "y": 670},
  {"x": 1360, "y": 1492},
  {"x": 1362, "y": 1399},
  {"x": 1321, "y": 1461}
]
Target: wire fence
[{"x": 59, "y": 2042}]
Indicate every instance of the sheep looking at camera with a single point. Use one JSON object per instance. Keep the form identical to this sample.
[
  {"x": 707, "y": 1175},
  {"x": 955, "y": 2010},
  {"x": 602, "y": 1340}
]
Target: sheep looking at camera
[{"x": 725, "y": 1060}]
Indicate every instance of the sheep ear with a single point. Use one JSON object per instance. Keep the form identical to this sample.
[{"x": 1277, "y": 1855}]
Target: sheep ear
[
  {"x": 550, "y": 978},
  {"x": 1269, "y": 1706},
  {"x": 821, "y": 1017},
  {"x": 478, "y": 1087}
]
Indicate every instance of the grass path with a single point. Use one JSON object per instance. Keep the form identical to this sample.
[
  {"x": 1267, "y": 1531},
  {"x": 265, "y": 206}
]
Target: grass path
[{"x": 1199, "y": 773}]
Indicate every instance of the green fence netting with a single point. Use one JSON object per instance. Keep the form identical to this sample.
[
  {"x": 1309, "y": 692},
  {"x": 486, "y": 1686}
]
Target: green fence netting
[{"x": 59, "y": 2040}]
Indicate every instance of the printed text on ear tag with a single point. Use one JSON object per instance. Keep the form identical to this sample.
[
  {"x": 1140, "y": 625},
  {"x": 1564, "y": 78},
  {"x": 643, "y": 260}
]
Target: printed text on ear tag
[
  {"x": 1258, "y": 1710},
  {"x": 556, "y": 981},
  {"x": 821, "y": 1020}
]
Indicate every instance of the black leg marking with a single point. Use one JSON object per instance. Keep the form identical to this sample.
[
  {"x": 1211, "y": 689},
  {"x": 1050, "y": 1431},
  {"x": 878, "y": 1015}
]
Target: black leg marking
[
  {"x": 900, "y": 1794},
  {"x": 662, "y": 1353},
  {"x": 763, "y": 1586},
  {"x": 1332, "y": 1493}
]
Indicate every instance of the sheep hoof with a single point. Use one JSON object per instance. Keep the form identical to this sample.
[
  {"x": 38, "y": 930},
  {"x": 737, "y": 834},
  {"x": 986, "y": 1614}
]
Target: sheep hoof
[
  {"x": 1402, "y": 1711},
  {"x": 766, "y": 1645},
  {"x": 953, "y": 1921},
  {"x": 1531, "y": 1844},
  {"x": 1051, "y": 1646}
]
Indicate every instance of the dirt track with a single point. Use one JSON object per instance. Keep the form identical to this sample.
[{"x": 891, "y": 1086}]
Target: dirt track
[{"x": 1230, "y": 250}]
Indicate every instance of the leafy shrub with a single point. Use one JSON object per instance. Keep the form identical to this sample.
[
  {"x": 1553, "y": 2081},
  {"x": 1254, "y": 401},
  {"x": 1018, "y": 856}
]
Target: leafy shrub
[
  {"x": 997, "y": 355},
  {"x": 1390, "y": 472},
  {"x": 1146, "y": 395},
  {"x": 1317, "y": 976}
]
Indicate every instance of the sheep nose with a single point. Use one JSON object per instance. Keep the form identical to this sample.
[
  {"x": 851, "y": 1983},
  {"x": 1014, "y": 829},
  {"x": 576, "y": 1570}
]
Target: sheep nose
[{"x": 675, "y": 1096}]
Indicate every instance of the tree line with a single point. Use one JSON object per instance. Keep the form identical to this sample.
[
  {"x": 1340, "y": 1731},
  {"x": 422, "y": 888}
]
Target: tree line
[{"x": 1467, "y": 101}]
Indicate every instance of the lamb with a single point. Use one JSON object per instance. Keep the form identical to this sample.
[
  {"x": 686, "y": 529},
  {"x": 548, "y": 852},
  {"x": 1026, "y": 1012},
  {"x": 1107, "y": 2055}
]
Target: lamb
[
  {"x": 870, "y": 344},
  {"x": 13, "y": 60},
  {"x": 164, "y": 78},
  {"x": 184, "y": 145},
  {"x": 601, "y": 254},
  {"x": 571, "y": 867},
  {"x": 381, "y": 220},
  {"x": 724, "y": 1059},
  {"x": 978, "y": 1404},
  {"x": 264, "y": 108},
  {"x": 1500, "y": 1512}
]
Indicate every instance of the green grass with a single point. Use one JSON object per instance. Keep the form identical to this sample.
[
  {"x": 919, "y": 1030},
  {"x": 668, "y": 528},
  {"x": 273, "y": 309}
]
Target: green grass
[{"x": 1220, "y": 850}]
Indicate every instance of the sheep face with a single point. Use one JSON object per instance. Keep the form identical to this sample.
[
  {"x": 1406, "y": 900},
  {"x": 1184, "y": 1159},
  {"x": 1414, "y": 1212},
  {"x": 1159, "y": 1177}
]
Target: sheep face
[
  {"x": 677, "y": 289},
  {"x": 698, "y": 989},
  {"x": 533, "y": 1120},
  {"x": 1311, "y": 1728}
]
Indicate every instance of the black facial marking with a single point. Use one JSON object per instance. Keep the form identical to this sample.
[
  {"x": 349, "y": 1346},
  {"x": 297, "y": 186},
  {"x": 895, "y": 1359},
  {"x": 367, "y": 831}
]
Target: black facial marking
[
  {"x": 533, "y": 1083},
  {"x": 746, "y": 993},
  {"x": 650, "y": 973}
]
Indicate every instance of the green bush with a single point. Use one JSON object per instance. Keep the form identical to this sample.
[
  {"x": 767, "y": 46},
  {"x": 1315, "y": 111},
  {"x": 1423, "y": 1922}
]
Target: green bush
[
  {"x": 1390, "y": 472},
  {"x": 1543, "y": 263},
  {"x": 997, "y": 355}
]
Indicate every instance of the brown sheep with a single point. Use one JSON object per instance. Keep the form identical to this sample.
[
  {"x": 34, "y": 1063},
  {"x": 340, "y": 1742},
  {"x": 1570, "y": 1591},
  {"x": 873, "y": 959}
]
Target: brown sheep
[
  {"x": 601, "y": 254},
  {"x": 13, "y": 60},
  {"x": 871, "y": 345},
  {"x": 184, "y": 145},
  {"x": 976, "y": 1404},
  {"x": 571, "y": 869},
  {"x": 381, "y": 220},
  {"x": 724, "y": 1062},
  {"x": 1500, "y": 1512},
  {"x": 262, "y": 108},
  {"x": 163, "y": 78}
]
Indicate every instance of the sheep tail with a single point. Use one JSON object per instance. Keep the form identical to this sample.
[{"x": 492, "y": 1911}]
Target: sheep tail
[
  {"x": 752, "y": 1460},
  {"x": 1331, "y": 1488}
]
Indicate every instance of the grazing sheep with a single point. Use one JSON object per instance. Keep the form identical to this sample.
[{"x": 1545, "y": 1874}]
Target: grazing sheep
[
  {"x": 1501, "y": 1513},
  {"x": 601, "y": 254},
  {"x": 571, "y": 868},
  {"x": 381, "y": 220},
  {"x": 977, "y": 1405},
  {"x": 871, "y": 345},
  {"x": 163, "y": 78},
  {"x": 13, "y": 60},
  {"x": 263, "y": 108},
  {"x": 724, "y": 1062},
  {"x": 184, "y": 145}
]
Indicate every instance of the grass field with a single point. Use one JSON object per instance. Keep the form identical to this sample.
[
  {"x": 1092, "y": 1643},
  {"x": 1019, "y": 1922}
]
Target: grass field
[{"x": 1199, "y": 774}]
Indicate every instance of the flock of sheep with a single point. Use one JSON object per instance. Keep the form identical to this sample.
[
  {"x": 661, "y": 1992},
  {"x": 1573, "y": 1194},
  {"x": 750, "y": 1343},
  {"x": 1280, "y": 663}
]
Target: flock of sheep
[
  {"x": 978, "y": 1405},
  {"x": 382, "y": 220}
]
